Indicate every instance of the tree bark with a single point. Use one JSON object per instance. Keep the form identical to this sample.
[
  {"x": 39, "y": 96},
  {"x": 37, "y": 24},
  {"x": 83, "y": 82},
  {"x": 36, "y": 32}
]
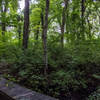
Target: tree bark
[
  {"x": 37, "y": 32},
  {"x": 19, "y": 28},
  {"x": 26, "y": 25},
  {"x": 3, "y": 26},
  {"x": 44, "y": 36},
  {"x": 63, "y": 22},
  {"x": 82, "y": 16}
]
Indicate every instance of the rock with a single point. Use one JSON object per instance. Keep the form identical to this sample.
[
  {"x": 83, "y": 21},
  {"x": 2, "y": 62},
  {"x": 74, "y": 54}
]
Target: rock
[{"x": 17, "y": 92}]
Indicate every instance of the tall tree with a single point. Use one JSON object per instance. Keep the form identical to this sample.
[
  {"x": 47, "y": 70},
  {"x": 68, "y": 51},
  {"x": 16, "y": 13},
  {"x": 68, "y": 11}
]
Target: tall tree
[
  {"x": 6, "y": 8},
  {"x": 63, "y": 22},
  {"x": 19, "y": 27},
  {"x": 26, "y": 25},
  {"x": 44, "y": 36},
  {"x": 82, "y": 16},
  {"x": 3, "y": 13}
]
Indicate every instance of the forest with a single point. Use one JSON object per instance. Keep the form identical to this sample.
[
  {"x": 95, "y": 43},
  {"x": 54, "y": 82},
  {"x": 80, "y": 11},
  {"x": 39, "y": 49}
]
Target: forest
[{"x": 52, "y": 46}]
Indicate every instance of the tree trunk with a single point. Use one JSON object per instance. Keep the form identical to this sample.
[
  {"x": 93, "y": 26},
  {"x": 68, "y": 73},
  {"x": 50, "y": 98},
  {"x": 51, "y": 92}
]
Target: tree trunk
[
  {"x": 26, "y": 25},
  {"x": 37, "y": 32},
  {"x": 63, "y": 22},
  {"x": 44, "y": 36},
  {"x": 19, "y": 32},
  {"x": 82, "y": 16},
  {"x": 3, "y": 27},
  {"x": 19, "y": 29}
]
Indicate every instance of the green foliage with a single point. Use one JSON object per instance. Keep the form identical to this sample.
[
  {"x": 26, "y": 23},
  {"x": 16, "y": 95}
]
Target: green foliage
[
  {"x": 72, "y": 68},
  {"x": 95, "y": 95}
]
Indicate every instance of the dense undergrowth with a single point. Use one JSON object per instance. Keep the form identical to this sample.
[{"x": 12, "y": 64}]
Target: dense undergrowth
[
  {"x": 61, "y": 37},
  {"x": 73, "y": 71}
]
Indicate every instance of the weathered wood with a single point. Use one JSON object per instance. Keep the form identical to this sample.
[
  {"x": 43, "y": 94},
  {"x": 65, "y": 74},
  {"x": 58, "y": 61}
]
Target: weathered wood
[{"x": 20, "y": 93}]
